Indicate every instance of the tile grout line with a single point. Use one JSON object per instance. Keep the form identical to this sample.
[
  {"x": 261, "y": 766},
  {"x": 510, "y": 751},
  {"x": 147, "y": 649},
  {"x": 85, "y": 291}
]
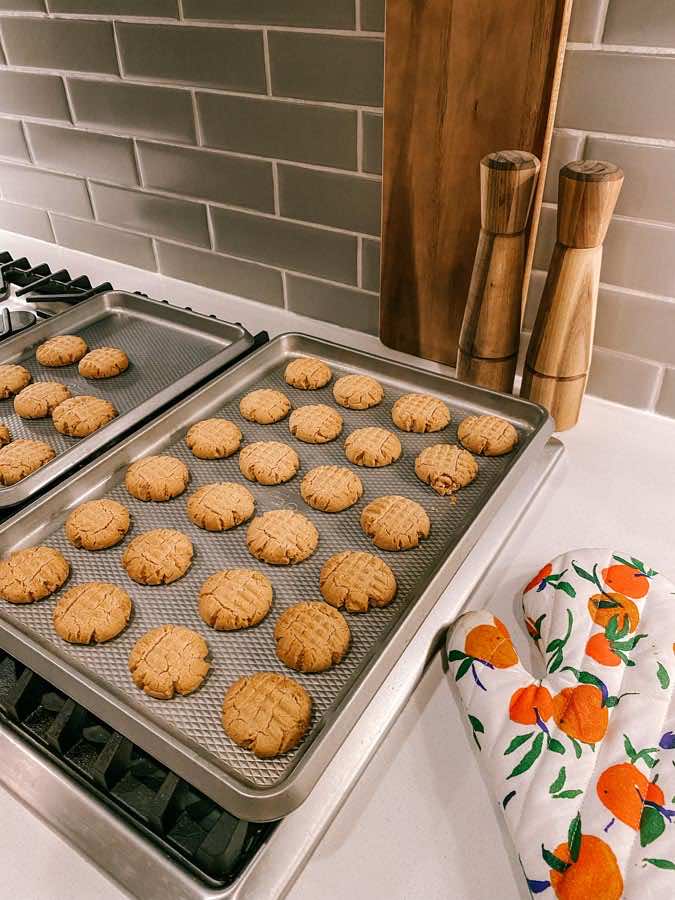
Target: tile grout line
[
  {"x": 27, "y": 140},
  {"x": 210, "y": 229},
  {"x": 181, "y": 14},
  {"x": 359, "y": 141},
  {"x": 155, "y": 253},
  {"x": 359, "y": 262},
  {"x": 118, "y": 52},
  {"x": 268, "y": 64},
  {"x": 658, "y": 386},
  {"x": 620, "y": 49},
  {"x": 275, "y": 188},
  {"x": 69, "y": 101},
  {"x": 284, "y": 288},
  {"x": 51, "y": 225},
  {"x": 196, "y": 121},
  {"x": 601, "y": 24},
  {"x": 357, "y": 15},
  {"x": 137, "y": 160}
]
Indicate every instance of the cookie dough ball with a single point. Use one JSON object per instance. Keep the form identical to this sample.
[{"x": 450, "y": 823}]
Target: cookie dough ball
[
  {"x": 268, "y": 462},
  {"x": 82, "y": 416},
  {"x": 13, "y": 378},
  {"x": 265, "y": 406},
  {"x": 358, "y": 392},
  {"x": 372, "y": 447},
  {"x": 97, "y": 524},
  {"x": 21, "y": 458},
  {"x": 446, "y": 467},
  {"x": 169, "y": 660},
  {"x": 395, "y": 523},
  {"x": 160, "y": 556},
  {"x": 331, "y": 488},
  {"x": 281, "y": 537},
  {"x": 235, "y": 598},
  {"x": 62, "y": 350},
  {"x": 220, "y": 506},
  {"x": 5, "y": 435},
  {"x": 157, "y": 478},
  {"x": 213, "y": 439},
  {"x": 104, "y": 362},
  {"x": 420, "y": 413},
  {"x": 307, "y": 373},
  {"x": 32, "y": 574},
  {"x": 488, "y": 435},
  {"x": 92, "y": 613},
  {"x": 267, "y": 713},
  {"x": 357, "y": 581},
  {"x": 317, "y": 424},
  {"x": 311, "y": 637},
  {"x": 40, "y": 399}
]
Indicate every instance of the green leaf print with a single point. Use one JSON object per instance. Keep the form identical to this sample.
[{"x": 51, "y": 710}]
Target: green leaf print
[
  {"x": 463, "y": 668},
  {"x": 661, "y": 863},
  {"x": 477, "y": 728},
  {"x": 530, "y": 757},
  {"x": 559, "y": 783},
  {"x": 509, "y": 797},
  {"x": 554, "y": 745},
  {"x": 652, "y": 825},
  {"x": 556, "y": 645},
  {"x": 574, "y": 837},
  {"x": 663, "y": 676},
  {"x": 455, "y": 655},
  {"x": 567, "y": 795},
  {"x": 517, "y": 741},
  {"x": 567, "y": 588},
  {"x": 577, "y": 748},
  {"x": 557, "y": 864},
  {"x": 582, "y": 573}
]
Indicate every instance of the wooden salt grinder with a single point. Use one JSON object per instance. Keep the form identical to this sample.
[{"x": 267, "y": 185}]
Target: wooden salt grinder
[
  {"x": 559, "y": 354},
  {"x": 489, "y": 339}
]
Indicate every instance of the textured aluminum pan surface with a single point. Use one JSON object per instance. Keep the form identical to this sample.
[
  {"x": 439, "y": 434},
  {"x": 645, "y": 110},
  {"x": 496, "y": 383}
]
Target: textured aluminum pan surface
[
  {"x": 186, "y": 733},
  {"x": 171, "y": 351}
]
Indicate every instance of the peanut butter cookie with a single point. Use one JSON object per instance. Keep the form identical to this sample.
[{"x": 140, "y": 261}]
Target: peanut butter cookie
[
  {"x": 358, "y": 392},
  {"x": 220, "y": 506},
  {"x": 281, "y": 537},
  {"x": 268, "y": 462},
  {"x": 83, "y": 415},
  {"x": 97, "y": 524},
  {"x": 307, "y": 373},
  {"x": 21, "y": 458},
  {"x": 92, "y": 613},
  {"x": 267, "y": 713},
  {"x": 13, "y": 378},
  {"x": 265, "y": 406},
  {"x": 316, "y": 424},
  {"x": 213, "y": 439},
  {"x": 357, "y": 581},
  {"x": 157, "y": 478},
  {"x": 311, "y": 637},
  {"x": 420, "y": 413},
  {"x": 235, "y": 598},
  {"x": 488, "y": 435},
  {"x": 40, "y": 399},
  {"x": 169, "y": 660},
  {"x": 160, "y": 556},
  {"x": 446, "y": 468},
  {"x": 32, "y": 574},
  {"x": 372, "y": 447},
  {"x": 103, "y": 362},
  {"x": 331, "y": 488},
  {"x": 61, "y": 350},
  {"x": 5, "y": 435},
  {"x": 395, "y": 523}
]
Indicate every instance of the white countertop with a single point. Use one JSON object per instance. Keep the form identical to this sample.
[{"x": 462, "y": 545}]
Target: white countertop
[{"x": 420, "y": 822}]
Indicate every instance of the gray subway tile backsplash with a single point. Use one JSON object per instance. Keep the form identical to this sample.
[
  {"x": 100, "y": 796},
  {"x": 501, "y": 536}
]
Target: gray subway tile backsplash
[
  {"x": 370, "y": 263},
  {"x": 12, "y": 141},
  {"x": 308, "y": 13},
  {"x": 83, "y": 153},
  {"x": 33, "y": 95},
  {"x": 59, "y": 193},
  {"x": 586, "y": 22},
  {"x": 623, "y": 379},
  {"x": 82, "y": 46},
  {"x": 372, "y": 15},
  {"x": 351, "y": 202},
  {"x": 22, "y": 6},
  {"x": 110, "y": 243},
  {"x": 645, "y": 23},
  {"x": 164, "y": 8},
  {"x": 25, "y": 220},
  {"x": 341, "y": 305},
  {"x": 372, "y": 143},
  {"x": 666, "y": 400}
]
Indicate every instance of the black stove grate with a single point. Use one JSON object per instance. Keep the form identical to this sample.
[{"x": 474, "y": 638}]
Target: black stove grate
[
  {"x": 40, "y": 283},
  {"x": 212, "y": 844}
]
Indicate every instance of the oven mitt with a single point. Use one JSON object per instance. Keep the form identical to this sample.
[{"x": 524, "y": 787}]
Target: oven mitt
[{"x": 582, "y": 761}]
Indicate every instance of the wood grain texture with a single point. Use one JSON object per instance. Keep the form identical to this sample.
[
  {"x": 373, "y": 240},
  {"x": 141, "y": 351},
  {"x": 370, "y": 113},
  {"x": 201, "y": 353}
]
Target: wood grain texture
[{"x": 462, "y": 77}]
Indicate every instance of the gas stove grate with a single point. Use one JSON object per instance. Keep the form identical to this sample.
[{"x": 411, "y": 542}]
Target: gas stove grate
[
  {"x": 212, "y": 844},
  {"x": 39, "y": 282}
]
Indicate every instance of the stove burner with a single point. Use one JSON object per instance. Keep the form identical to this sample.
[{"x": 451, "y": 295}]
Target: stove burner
[
  {"x": 39, "y": 283},
  {"x": 12, "y": 321}
]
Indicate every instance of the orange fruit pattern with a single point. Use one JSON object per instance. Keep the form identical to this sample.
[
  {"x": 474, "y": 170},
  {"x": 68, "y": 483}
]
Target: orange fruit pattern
[
  {"x": 599, "y": 649},
  {"x": 539, "y": 577},
  {"x": 526, "y": 700},
  {"x": 626, "y": 580},
  {"x": 594, "y": 876},
  {"x": 620, "y": 788},
  {"x": 491, "y": 643},
  {"x": 626, "y": 609},
  {"x": 578, "y": 711}
]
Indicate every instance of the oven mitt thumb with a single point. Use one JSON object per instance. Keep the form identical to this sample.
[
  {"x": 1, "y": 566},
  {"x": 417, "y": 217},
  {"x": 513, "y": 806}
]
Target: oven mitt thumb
[{"x": 582, "y": 761}]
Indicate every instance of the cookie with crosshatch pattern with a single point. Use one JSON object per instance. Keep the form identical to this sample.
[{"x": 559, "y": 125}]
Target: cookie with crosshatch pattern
[
  {"x": 446, "y": 468},
  {"x": 395, "y": 523},
  {"x": 420, "y": 413},
  {"x": 282, "y": 537},
  {"x": 268, "y": 462},
  {"x": 311, "y": 636},
  {"x": 307, "y": 373},
  {"x": 357, "y": 581},
  {"x": 331, "y": 488},
  {"x": 61, "y": 350},
  {"x": 489, "y": 435}
]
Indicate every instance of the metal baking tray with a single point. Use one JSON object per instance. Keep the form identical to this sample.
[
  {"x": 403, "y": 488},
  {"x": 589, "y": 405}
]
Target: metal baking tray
[
  {"x": 186, "y": 733},
  {"x": 171, "y": 351}
]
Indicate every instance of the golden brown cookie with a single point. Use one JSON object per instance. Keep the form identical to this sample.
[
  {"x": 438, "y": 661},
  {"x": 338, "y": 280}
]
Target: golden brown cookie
[
  {"x": 92, "y": 613},
  {"x": 61, "y": 350},
  {"x": 21, "y": 458},
  {"x": 235, "y": 598},
  {"x": 331, "y": 488},
  {"x": 159, "y": 556},
  {"x": 5, "y": 435},
  {"x": 358, "y": 391},
  {"x": 268, "y": 462},
  {"x": 157, "y": 478},
  {"x": 83, "y": 415},
  {"x": 32, "y": 574},
  {"x": 217, "y": 507},
  {"x": 357, "y": 581},
  {"x": 213, "y": 439},
  {"x": 13, "y": 379},
  {"x": 311, "y": 637},
  {"x": 40, "y": 399},
  {"x": 446, "y": 468},
  {"x": 97, "y": 524},
  {"x": 281, "y": 537},
  {"x": 420, "y": 413},
  {"x": 395, "y": 523},
  {"x": 316, "y": 424},
  {"x": 488, "y": 435},
  {"x": 265, "y": 406},
  {"x": 267, "y": 713},
  {"x": 169, "y": 660},
  {"x": 372, "y": 447},
  {"x": 307, "y": 373},
  {"x": 103, "y": 362}
]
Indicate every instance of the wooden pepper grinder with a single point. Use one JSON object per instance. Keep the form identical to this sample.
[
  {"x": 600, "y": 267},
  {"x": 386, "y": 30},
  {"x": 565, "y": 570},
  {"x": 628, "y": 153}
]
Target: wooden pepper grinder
[
  {"x": 559, "y": 354},
  {"x": 490, "y": 335}
]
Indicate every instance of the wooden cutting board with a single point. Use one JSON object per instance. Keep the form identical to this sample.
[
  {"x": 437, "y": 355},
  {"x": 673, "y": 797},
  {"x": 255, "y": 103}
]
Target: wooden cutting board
[{"x": 462, "y": 78}]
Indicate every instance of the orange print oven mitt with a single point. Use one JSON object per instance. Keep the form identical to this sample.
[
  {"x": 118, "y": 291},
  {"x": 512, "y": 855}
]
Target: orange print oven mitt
[{"x": 582, "y": 761}]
